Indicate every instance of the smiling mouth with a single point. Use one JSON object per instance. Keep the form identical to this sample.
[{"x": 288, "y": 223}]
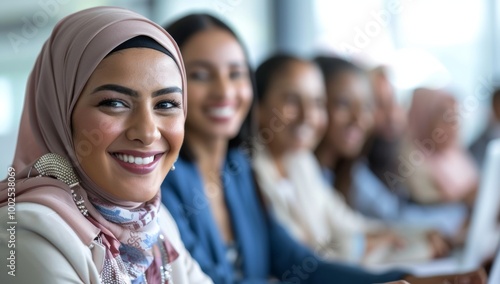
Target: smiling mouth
[
  {"x": 225, "y": 112},
  {"x": 136, "y": 160}
]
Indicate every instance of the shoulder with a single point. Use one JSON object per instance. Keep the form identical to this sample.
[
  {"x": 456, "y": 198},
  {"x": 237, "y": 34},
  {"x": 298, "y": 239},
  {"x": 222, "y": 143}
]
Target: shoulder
[
  {"x": 167, "y": 224},
  {"x": 44, "y": 247},
  {"x": 34, "y": 217}
]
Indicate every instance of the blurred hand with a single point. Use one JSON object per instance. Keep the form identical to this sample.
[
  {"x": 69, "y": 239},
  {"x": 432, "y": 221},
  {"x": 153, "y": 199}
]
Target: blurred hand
[
  {"x": 475, "y": 277},
  {"x": 438, "y": 243},
  {"x": 386, "y": 238}
]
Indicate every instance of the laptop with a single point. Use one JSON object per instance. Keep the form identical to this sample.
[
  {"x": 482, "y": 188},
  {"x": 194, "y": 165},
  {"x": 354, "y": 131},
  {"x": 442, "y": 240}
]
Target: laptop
[{"x": 484, "y": 233}]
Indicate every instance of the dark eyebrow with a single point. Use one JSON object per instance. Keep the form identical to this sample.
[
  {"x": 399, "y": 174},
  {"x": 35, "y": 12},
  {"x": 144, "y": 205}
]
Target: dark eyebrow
[
  {"x": 168, "y": 90},
  {"x": 132, "y": 93},
  {"x": 207, "y": 64},
  {"x": 199, "y": 63},
  {"x": 116, "y": 88}
]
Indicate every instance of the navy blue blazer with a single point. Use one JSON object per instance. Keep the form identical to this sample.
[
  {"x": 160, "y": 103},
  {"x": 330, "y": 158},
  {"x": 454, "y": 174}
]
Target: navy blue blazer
[{"x": 265, "y": 248}]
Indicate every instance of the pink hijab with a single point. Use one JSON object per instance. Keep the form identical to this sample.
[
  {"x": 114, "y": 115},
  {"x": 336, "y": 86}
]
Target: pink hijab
[
  {"x": 451, "y": 169},
  {"x": 76, "y": 46}
]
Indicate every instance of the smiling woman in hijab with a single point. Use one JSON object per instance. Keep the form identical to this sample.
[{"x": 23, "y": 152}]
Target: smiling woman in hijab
[{"x": 103, "y": 123}]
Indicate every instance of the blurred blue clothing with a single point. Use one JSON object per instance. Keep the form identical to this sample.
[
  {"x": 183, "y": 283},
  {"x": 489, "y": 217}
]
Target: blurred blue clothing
[
  {"x": 370, "y": 196},
  {"x": 265, "y": 248}
]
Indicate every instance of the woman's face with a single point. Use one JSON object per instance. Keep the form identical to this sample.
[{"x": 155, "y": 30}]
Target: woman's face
[
  {"x": 350, "y": 113},
  {"x": 219, "y": 87},
  {"x": 293, "y": 108},
  {"x": 128, "y": 124}
]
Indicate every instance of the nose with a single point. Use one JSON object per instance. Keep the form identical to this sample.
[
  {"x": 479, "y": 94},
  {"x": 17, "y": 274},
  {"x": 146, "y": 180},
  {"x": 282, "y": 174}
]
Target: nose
[
  {"x": 305, "y": 111},
  {"x": 361, "y": 116},
  {"x": 143, "y": 127},
  {"x": 223, "y": 87}
]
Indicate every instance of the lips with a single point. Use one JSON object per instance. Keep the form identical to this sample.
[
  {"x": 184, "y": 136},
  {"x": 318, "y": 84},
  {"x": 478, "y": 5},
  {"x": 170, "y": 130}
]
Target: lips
[{"x": 137, "y": 162}]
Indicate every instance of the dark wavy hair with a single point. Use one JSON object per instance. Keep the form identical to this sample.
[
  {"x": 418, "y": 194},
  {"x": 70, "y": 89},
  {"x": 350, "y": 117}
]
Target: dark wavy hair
[
  {"x": 185, "y": 28},
  {"x": 331, "y": 67},
  {"x": 267, "y": 71}
]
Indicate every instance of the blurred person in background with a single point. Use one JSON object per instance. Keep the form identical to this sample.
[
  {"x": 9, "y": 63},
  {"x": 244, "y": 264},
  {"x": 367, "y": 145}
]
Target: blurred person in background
[
  {"x": 492, "y": 131},
  {"x": 384, "y": 148},
  {"x": 439, "y": 169},
  {"x": 390, "y": 123}
]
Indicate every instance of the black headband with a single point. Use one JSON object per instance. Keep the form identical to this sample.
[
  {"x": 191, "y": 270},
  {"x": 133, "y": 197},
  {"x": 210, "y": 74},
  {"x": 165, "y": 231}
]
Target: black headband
[{"x": 142, "y": 41}]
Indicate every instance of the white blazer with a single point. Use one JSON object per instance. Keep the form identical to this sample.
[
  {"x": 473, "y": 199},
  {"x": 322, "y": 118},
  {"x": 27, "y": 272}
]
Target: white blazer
[{"x": 48, "y": 251}]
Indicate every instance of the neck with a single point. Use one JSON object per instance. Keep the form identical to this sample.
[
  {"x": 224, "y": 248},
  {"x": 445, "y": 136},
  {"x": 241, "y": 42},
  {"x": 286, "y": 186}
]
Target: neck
[
  {"x": 210, "y": 152},
  {"x": 326, "y": 156},
  {"x": 277, "y": 155}
]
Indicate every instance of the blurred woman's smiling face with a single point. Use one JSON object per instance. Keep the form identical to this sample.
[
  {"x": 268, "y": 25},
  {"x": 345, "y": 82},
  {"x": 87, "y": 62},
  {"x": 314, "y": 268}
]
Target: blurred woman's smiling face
[
  {"x": 298, "y": 94},
  {"x": 350, "y": 113},
  {"x": 219, "y": 87},
  {"x": 128, "y": 124}
]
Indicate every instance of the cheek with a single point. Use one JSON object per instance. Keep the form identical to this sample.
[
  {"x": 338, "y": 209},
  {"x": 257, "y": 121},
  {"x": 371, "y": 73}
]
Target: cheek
[
  {"x": 246, "y": 97},
  {"x": 197, "y": 93},
  {"x": 368, "y": 122},
  {"x": 290, "y": 112},
  {"x": 173, "y": 132},
  {"x": 339, "y": 119},
  {"x": 93, "y": 134}
]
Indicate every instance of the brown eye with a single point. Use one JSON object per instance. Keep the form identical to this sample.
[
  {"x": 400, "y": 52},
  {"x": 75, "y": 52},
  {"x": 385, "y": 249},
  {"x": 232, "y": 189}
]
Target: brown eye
[
  {"x": 236, "y": 74},
  {"x": 199, "y": 75},
  {"x": 112, "y": 103},
  {"x": 168, "y": 104}
]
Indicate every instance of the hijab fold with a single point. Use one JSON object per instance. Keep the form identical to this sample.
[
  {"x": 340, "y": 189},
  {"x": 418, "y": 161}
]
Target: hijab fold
[{"x": 77, "y": 45}]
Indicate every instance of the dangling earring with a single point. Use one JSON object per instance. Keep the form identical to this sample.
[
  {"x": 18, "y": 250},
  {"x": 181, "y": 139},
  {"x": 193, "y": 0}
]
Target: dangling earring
[{"x": 173, "y": 165}]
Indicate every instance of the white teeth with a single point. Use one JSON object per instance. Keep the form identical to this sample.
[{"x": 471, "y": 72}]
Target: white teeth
[
  {"x": 147, "y": 160},
  {"x": 135, "y": 160},
  {"x": 222, "y": 112}
]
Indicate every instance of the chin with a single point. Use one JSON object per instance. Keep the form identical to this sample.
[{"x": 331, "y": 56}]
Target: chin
[
  {"x": 348, "y": 152},
  {"x": 228, "y": 134}
]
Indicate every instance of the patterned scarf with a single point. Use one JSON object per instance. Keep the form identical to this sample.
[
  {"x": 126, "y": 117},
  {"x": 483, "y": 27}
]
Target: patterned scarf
[{"x": 132, "y": 251}]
